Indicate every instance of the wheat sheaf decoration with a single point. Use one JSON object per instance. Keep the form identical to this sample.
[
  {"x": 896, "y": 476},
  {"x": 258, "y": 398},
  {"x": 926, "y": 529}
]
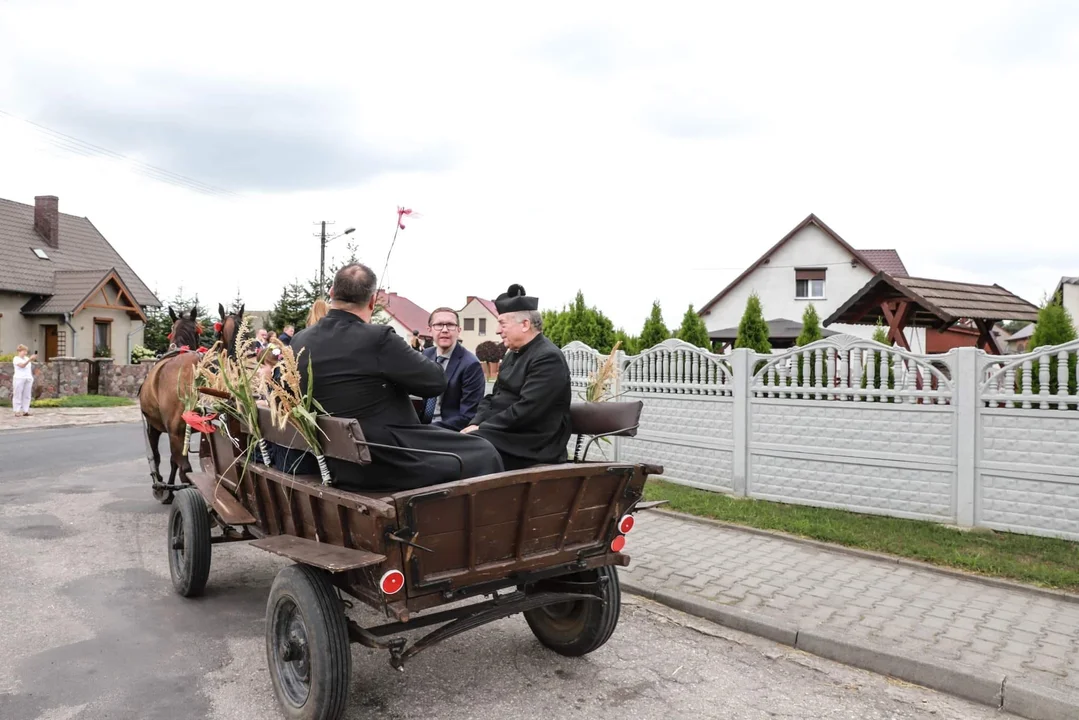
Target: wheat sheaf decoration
[
  {"x": 242, "y": 384},
  {"x": 188, "y": 383},
  {"x": 599, "y": 382},
  {"x": 292, "y": 402}
]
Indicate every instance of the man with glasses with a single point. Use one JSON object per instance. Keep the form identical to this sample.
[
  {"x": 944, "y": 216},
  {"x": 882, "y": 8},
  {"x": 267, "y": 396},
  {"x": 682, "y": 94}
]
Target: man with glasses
[
  {"x": 465, "y": 381},
  {"x": 526, "y": 417}
]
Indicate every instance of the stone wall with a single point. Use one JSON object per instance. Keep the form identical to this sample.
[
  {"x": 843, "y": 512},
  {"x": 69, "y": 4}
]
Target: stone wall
[{"x": 62, "y": 377}]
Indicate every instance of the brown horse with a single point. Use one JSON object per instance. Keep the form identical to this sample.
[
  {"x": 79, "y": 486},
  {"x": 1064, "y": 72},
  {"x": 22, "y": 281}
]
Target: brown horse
[
  {"x": 228, "y": 328},
  {"x": 161, "y": 406}
]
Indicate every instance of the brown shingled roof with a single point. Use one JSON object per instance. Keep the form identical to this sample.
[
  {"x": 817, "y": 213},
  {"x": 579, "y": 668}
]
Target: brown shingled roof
[
  {"x": 82, "y": 249},
  {"x": 937, "y": 303},
  {"x": 887, "y": 261},
  {"x": 406, "y": 312}
]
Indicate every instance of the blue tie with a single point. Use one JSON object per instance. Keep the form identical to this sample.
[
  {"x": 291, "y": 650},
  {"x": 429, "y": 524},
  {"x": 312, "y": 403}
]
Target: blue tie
[{"x": 429, "y": 406}]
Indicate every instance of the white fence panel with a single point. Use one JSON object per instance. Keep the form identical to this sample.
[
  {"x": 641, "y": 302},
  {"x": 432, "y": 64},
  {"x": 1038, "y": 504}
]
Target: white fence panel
[{"x": 1027, "y": 474}]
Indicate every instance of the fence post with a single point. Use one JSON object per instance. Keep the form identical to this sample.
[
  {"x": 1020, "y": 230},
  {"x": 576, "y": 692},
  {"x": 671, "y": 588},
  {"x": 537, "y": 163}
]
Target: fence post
[
  {"x": 966, "y": 381},
  {"x": 742, "y": 370}
]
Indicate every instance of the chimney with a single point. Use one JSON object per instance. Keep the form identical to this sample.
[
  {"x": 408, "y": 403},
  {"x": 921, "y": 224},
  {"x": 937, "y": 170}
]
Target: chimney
[{"x": 47, "y": 218}]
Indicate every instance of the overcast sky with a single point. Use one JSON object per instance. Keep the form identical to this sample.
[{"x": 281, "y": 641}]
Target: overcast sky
[{"x": 626, "y": 150}]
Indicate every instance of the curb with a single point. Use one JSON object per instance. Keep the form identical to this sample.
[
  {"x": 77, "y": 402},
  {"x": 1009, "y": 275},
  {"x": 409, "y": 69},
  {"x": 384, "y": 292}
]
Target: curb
[
  {"x": 986, "y": 687},
  {"x": 1060, "y": 595},
  {"x": 66, "y": 425}
]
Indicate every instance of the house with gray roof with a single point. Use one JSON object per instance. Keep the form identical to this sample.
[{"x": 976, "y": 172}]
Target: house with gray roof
[{"x": 64, "y": 290}]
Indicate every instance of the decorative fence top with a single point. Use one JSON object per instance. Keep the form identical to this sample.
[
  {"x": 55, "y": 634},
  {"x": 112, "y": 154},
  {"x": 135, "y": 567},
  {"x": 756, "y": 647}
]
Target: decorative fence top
[
  {"x": 845, "y": 367},
  {"x": 1044, "y": 379},
  {"x": 677, "y": 367}
]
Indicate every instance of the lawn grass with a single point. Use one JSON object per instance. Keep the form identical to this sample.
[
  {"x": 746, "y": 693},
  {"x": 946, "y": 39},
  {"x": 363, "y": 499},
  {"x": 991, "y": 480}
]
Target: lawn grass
[
  {"x": 82, "y": 401},
  {"x": 1036, "y": 560}
]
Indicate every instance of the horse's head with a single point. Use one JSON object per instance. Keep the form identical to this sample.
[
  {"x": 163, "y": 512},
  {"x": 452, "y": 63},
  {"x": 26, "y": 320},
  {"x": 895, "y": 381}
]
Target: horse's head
[
  {"x": 185, "y": 329},
  {"x": 228, "y": 328}
]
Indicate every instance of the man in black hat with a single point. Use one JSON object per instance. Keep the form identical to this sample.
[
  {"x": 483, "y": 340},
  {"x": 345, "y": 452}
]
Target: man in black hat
[
  {"x": 366, "y": 371},
  {"x": 527, "y": 415}
]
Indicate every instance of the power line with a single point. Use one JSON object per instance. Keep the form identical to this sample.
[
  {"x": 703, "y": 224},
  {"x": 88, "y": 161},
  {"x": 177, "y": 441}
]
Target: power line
[{"x": 74, "y": 145}]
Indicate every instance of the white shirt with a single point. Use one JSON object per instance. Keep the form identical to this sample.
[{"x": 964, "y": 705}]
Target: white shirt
[{"x": 26, "y": 372}]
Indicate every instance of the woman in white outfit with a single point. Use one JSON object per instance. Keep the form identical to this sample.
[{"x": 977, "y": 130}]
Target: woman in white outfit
[{"x": 24, "y": 380}]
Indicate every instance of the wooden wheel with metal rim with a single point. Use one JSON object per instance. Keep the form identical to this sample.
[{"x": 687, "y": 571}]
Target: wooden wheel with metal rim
[{"x": 307, "y": 645}]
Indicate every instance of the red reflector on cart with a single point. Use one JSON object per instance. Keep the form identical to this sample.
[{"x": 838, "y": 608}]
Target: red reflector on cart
[
  {"x": 625, "y": 524},
  {"x": 618, "y": 543},
  {"x": 392, "y": 582}
]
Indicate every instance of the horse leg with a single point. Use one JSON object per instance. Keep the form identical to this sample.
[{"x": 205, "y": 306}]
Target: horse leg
[{"x": 180, "y": 461}]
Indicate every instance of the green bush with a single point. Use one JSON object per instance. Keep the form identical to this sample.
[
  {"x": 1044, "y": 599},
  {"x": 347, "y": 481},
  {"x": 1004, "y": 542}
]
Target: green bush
[
  {"x": 139, "y": 353},
  {"x": 752, "y": 329},
  {"x": 81, "y": 401},
  {"x": 7, "y": 358}
]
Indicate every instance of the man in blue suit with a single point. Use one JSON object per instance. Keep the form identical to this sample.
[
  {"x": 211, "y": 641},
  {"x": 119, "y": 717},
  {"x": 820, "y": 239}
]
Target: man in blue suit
[{"x": 465, "y": 381}]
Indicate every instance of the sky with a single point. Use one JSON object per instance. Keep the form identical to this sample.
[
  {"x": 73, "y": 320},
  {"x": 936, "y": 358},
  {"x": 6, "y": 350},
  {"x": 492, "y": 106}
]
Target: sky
[{"x": 629, "y": 152}]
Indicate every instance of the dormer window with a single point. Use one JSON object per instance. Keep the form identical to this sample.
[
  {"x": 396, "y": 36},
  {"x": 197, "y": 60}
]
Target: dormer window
[
  {"x": 809, "y": 284},
  {"x": 41, "y": 253}
]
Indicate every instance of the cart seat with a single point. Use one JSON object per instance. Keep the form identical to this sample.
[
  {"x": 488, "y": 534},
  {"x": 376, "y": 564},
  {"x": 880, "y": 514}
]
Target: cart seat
[
  {"x": 603, "y": 419},
  {"x": 342, "y": 438}
]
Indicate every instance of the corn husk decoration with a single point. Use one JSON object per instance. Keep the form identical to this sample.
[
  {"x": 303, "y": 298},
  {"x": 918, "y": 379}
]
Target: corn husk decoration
[
  {"x": 291, "y": 405},
  {"x": 241, "y": 382}
]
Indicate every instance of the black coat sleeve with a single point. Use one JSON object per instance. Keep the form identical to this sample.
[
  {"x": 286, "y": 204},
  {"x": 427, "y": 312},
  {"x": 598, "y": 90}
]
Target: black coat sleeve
[
  {"x": 545, "y": 374},
  {"x": 408, "y": 369}
]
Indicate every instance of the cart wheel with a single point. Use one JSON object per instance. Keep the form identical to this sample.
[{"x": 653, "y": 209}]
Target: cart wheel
[
  {"x": 578, "y": 628},
  {"x": 189, "y": 542},
  {"x": 307, "y": 646}
]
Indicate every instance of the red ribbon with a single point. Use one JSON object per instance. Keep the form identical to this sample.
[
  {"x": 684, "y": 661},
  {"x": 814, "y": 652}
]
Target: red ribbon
[
  {"x": 401, "y": 212},
  {"x": 199, "y": 423},
  {"x": 217, "y": 327}
]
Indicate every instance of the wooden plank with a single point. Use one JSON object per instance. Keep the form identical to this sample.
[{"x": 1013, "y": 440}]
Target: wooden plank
[
  {"x": 231, "y": 511},
  {"x": 333, "y": 558}
]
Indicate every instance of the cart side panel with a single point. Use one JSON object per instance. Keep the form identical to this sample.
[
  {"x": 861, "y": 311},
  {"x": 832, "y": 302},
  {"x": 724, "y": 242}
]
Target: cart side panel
[{"x": 492, "y": 527}]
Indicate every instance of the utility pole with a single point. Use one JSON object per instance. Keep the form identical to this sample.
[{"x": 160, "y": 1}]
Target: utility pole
[{"x": 322, "y": 261}]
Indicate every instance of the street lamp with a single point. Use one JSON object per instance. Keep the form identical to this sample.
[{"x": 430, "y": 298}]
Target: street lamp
[{"x": 322, "y": 262}]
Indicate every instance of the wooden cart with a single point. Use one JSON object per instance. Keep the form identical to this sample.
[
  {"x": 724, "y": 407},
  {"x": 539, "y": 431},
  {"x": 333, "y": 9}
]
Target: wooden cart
[{"x": 549, "y": 536}]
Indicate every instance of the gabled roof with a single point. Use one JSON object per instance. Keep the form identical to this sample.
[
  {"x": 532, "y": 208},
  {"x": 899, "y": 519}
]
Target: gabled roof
[
  {"x": 489, "y": 304},
  {"x": 75, "y": 289},
  {"x": 937, "y": 303},
  {"x": 1066, "y": 281},
  {"x": 811, "y": 219},
  {"x": 1023, "y": 333},
  {"x": 404, "y": 311},
  {"x": 887, "y": 261},
  {"x": 81, "y": 249}
]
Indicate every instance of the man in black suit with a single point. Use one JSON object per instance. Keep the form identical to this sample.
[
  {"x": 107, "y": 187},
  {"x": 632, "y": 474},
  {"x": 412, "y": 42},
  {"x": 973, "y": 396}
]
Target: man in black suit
[
  {"x": 465, "y": 381},
  {"x": 527, "y": 415},
  {"x": 365, "y": 371}
]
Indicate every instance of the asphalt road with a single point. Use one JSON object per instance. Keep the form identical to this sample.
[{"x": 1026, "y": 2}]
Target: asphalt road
[{"x": 91, "y": 629}]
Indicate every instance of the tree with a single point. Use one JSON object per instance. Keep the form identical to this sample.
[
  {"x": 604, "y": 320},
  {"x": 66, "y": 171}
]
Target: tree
[
  {"x": 291, "y": 308},
  {"x": 693, "y": 330},
  {"x": 1054, "y": 327},
  {"x": 654, "y": 331},
  {"x": 752, "y": 329},
  {"x": 880, "y": 334},
  {"x": 811, "y": 331},
  {"x": 579, "y": 322},
  {"x": 631, "y": 344}
]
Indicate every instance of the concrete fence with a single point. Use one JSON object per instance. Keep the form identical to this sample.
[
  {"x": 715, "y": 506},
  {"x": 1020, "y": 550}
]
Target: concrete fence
[{"x": 962, "y": 438}]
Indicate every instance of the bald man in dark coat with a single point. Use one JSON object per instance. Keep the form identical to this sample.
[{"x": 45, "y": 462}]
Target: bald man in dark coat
[
  {"x": 526, "y": 416},
  {"x": 366, "y": 371}
]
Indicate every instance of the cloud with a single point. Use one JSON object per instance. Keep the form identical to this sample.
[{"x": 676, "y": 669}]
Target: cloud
[
  {"x": 582, "y": 51},
  {"x": 1032, "y": 31},
  {"x": 239, "y": 136}
]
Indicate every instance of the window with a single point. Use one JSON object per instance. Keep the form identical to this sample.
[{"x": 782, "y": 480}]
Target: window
[
  {"x": 483, "y": 326},
  {"x": 102, "y": 337},
  {"x": 470, "y": 324},
  {"x": 41, "y": 253},
  {"x": 809, "y": 284}
]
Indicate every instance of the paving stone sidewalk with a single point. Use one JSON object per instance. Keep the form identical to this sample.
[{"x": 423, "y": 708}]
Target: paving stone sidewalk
[
  {"x": 938, "y": 617},
  {"x": 61, "y": 417}
]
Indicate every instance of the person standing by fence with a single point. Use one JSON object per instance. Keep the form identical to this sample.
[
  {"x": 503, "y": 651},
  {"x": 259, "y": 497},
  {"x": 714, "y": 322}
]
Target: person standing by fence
[{"x": 23, "y": 380}]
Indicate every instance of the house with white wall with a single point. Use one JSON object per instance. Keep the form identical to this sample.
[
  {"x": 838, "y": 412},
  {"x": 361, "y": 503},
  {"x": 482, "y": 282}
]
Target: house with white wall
[
  {"x": 479, "y": 322},
  {"x": 1068, "y": 292},
  {"x": 810, "y": 264}
]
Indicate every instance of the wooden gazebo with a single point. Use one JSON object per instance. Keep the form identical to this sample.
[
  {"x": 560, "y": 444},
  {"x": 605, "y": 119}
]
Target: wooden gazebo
[{"x": 937, "y": 304}]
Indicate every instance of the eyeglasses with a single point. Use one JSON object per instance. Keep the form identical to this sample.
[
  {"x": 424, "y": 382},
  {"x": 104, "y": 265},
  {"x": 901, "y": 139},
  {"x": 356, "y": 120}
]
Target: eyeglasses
[{"x": 444, "y": 326}]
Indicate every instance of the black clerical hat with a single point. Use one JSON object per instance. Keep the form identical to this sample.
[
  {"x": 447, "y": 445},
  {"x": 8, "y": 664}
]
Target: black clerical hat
[{"x": 515, "y": 300}]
